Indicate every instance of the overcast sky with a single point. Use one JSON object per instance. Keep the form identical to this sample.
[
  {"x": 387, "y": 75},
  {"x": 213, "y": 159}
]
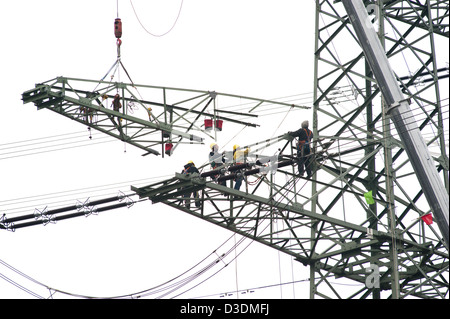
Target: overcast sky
[{"x": 254, "y": 48}]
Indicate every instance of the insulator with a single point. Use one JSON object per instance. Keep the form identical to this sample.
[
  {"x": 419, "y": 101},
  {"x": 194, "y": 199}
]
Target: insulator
[
  {"x": 226, "y": 177},
  {"x": 239, "y": 166},
  {"x": 210, "y": 173}
]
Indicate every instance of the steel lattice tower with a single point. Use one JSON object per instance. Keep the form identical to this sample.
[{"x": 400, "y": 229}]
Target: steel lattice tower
[
  {"x": 353, "y": 247},
  {"x": 349, "y": 108}
]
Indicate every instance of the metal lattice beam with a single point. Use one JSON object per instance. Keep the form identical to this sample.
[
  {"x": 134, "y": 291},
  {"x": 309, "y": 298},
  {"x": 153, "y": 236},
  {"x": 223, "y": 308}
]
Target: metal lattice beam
[
  {"x": 382, "y": 249},
  {"x": 349, "y": 108},
  {"x": 165, "y": 116},
  {"x": 280, "y": 219}
]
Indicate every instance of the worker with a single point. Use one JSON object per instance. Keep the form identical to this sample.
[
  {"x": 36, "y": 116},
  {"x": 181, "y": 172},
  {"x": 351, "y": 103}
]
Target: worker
[
  {"x": 216, "y": 160},
  {"x": 149, "y": 111},
  {"x": 190, "y": 168},
  {"x": 214, "y": 156},
  {"x": 239, "y": 157},
  {"x": 305, "y": 137},
  {"x": 88, "y": 114},
  {"x": 116, "y": 103}
]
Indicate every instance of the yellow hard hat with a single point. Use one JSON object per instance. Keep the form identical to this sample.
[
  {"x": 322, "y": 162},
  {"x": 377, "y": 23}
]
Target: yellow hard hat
[
  {"x": 212, "y": 145},
  {"x": 235, "y": 147},
  {"x": 190, "y": 162}
]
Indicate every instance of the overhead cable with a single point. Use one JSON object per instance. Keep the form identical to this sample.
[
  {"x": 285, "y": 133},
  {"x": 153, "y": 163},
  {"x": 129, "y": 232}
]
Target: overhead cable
[{"x": 157, "y": 35}]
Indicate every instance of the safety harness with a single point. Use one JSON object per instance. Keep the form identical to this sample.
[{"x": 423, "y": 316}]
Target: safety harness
[{"x": 304, "y": 145}]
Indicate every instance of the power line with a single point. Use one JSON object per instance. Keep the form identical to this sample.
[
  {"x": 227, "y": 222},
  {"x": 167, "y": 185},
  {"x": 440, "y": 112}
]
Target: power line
[
  {"x": 251, "y": 290},
  {"x": 5, "y": 205},
  {"x": 109, "y": 141},
  {"x": 44, "y": 138},
  {"x": 167, "y": 287},
  {"x": 20, "y": 286},
  {"x": 240, "y": 106},
  {"x": 54, "y": 150},
  {"x": 157, "y": 35},
  {"x": 23, "y": 200}
]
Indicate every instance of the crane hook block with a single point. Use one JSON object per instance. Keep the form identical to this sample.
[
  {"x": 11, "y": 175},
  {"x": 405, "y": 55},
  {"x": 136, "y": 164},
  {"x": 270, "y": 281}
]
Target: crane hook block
[{"x": 118, "y": 28}]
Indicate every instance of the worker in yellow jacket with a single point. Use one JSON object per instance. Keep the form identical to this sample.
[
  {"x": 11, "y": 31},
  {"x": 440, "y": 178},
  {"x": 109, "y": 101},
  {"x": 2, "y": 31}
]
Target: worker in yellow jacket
[{"x": 239, "y": 157}]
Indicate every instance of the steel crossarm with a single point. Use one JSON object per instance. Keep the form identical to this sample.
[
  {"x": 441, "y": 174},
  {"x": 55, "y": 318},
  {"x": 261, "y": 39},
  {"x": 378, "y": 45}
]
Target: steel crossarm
[
  {"x": 343, "y": 248},
  {"x": 166, "y": 116}
]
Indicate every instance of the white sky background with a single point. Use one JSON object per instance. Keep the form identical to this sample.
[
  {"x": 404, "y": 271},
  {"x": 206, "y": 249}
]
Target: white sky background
[{"x": 253, "y": 48}]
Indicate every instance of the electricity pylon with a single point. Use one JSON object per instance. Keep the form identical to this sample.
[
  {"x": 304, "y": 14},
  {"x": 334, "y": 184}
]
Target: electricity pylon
[
  {"x": 356, "y": 246},
  {"x": 350, "y": 108}
]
